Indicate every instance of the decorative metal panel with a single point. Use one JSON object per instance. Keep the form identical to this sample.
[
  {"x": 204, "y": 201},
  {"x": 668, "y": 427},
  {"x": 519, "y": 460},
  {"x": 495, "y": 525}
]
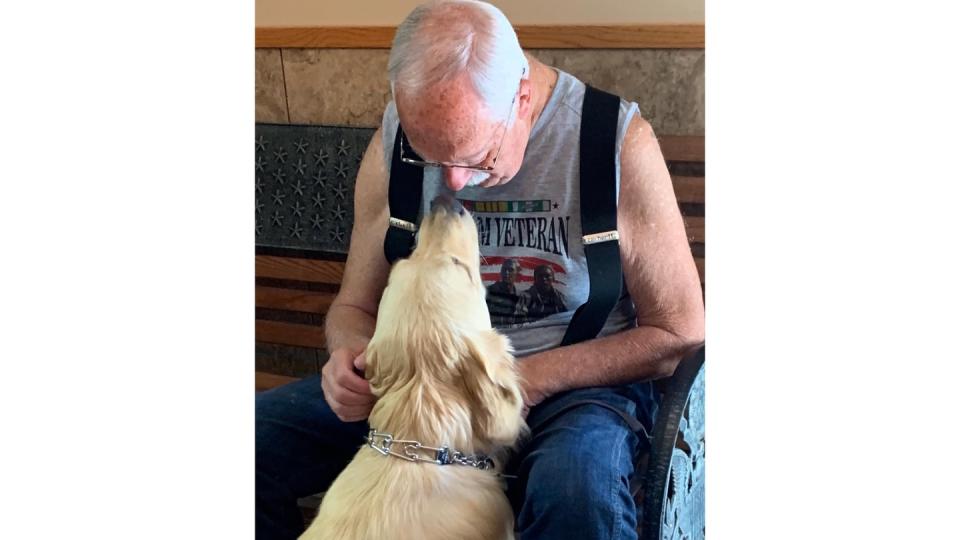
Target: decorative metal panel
[
  {"x": 683, "y": 511},
  {"x": 305, "y": 178}
]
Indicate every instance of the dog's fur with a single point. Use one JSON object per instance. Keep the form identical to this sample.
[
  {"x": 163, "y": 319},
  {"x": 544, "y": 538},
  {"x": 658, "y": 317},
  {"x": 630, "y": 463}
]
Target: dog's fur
[{"x": 442, "y": 376}]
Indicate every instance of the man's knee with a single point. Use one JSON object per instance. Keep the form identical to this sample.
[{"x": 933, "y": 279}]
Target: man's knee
[
  {"x": 578, "y": 479},
  {"x": 578, "y": 487}
]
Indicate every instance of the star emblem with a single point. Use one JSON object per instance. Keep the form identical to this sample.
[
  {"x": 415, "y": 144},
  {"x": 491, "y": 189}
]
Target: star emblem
[
  {"x": 320, "y": 179},
  {"x": 340, "y": 192},
  {"x": 318, "y": 199},
  {"x": 297, "y": 209},
  {"x": 259, "y": 185},
  {"x": 279, "y": 175},
  {"x": 298, "y": 188},
  {"x": 336, "y": 234},
  {"x": 259, "y": 228},
  {"x": 555, "y": 206},
  {"x": 341, "y": 169},
  {"x": 321, "y": 157},
  {"x": 317, "y": 221},
  {"x": 278, "y": 197},
  {"x": 276, "y": 218},
  {"x": 261, "y": 144},
  {"x": 280, "y": 155},
  {"x": 260, "y": 163},
  {"x": 339, "y": 213},
  {"x": 343, "y": 148},
  {"x": 301, "y": 146},
  {"x": 300, "y": 167},
  {"x": 296, "y": 231},
  {"x": 259, "y": 206}
]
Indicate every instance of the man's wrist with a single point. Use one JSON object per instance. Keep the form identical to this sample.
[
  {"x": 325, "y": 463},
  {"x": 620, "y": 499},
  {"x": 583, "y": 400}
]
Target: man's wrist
[{"x": 537, "y": 383}]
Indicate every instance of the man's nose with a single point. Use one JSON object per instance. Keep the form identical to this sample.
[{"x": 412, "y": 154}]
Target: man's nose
[{"x": 456, "y": 178}]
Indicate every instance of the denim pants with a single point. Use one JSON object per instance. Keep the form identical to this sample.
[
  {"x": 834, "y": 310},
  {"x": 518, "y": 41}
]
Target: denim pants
[{"x": 573, "y": 472}]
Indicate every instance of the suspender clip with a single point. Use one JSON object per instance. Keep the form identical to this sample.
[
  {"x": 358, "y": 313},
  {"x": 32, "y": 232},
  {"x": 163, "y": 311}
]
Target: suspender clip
[
  {"x": 401, "y": 224},
  {"x": 596, "y": 238}
]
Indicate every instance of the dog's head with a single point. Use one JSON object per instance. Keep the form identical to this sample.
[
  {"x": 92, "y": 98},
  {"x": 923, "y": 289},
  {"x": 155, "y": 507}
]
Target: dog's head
[{"x": 434, "y": 344}]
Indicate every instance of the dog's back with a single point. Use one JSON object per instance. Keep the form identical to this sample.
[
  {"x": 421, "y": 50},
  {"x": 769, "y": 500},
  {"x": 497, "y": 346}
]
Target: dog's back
[{"x": 383, "y": 497}]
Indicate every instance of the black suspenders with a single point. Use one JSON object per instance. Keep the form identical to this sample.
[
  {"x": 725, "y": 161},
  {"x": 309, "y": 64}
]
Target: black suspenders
[
  {"x": 598, "y": 211},
  {"x": 406, "y": 190},
  {"x": 598, "y": 214}
]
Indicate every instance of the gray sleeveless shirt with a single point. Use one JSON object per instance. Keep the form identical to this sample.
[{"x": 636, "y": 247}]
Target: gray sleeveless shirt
[{"x": 534, "y": 265}]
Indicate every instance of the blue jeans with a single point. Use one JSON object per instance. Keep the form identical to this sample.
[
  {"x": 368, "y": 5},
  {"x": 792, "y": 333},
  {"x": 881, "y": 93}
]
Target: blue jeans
[{"x": 574, "y": 471}]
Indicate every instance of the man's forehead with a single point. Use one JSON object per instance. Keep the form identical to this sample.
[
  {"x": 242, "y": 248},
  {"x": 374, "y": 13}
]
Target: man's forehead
[{"x": 444, "y": 121}]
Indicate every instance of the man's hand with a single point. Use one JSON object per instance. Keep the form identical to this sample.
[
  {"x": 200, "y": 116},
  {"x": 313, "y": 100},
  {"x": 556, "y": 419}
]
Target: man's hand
[
  {"x": 346, "y": 391},
  {"x": 530, "y": 388}
]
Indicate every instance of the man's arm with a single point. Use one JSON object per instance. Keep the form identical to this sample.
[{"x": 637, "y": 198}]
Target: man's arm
[
  {"x": 660, "y": 274},
  {"x": 352, "y": 315}
]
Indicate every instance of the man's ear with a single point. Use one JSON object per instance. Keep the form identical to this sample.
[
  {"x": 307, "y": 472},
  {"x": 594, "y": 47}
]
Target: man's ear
[{"x": 525, "y": 98}]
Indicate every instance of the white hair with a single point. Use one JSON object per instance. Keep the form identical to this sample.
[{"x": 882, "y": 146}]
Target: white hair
[{"x": 441, "y": 40}]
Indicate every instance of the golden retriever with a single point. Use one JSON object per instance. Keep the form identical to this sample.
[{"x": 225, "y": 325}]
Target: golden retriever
[{"x": 443, "y": 377}]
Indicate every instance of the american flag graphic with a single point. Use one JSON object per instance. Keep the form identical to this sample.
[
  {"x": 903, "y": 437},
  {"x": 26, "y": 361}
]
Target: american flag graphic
[{"x": 490, "y": 269}]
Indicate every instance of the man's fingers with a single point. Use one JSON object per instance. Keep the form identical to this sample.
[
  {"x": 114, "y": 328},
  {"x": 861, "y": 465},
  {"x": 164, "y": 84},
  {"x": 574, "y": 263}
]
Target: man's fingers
[
  {"x": 352, "y": 413},
  {"x": 360, "y": 362},
  {"x": 347, "y": 413},
  {"x": 343, "y": 395},
  {"x": 346, "y": 396},
  {"x": 347, "y": 393},
  {"x": 353, "y": 382}
]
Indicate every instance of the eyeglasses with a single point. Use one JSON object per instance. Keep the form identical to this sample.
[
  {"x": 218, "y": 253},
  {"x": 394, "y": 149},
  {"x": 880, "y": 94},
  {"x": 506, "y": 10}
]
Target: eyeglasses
[{"x": 405, "y": 147}]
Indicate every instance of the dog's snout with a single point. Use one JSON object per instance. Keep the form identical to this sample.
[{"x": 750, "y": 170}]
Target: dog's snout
[{"x": 447, "y": 203}]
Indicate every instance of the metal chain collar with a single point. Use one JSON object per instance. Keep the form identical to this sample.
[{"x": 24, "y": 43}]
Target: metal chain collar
[{"x": 415, "y": 451}]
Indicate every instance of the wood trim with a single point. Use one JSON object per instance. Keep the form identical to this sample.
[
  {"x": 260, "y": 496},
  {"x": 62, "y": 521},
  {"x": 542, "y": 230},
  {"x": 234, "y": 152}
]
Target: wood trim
[
  {"x": 632, "y": 36},
  {"x": 294, "y": 299},
  {"x": 682, "y": 147},
  {"x": 284, "y": 333},
  {"x": 325, "y": 37},
  {"x": 266, "y": 381},
  {"x": 312, "y": 270},
  {"x": 689, "y": 189}
]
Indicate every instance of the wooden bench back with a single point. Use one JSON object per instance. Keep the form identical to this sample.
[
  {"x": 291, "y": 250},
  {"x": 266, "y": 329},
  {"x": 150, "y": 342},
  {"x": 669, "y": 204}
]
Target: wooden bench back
[{"x": 305, "y": 179}]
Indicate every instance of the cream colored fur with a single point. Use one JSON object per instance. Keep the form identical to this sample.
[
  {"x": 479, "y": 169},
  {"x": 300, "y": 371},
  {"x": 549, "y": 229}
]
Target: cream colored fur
[{"x": 443, "y": 376}]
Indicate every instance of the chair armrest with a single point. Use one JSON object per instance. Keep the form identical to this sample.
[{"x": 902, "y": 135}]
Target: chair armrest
[{"x": 673, "y": 486}]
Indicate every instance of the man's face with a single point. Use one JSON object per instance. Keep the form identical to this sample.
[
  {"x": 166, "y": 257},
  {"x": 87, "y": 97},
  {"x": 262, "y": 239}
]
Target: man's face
[
  {"x": 509, "y": 271},
  {"x": 543, "y": 279},
  {"x": 448, "y": 123}
]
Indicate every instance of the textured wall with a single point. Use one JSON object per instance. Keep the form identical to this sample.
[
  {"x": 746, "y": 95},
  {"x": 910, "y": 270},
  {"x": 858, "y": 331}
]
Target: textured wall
[
  {"x": 349, "y": 86},
  {"x": 270, "y": 94},
  {"x": 667, "y": 84},
  {"x": 391, "y": 12}
]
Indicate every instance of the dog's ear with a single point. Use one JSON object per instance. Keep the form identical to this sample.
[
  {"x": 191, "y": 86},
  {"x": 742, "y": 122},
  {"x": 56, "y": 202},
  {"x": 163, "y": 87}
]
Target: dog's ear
[
  {"x": 371, "y": 370},
  {"x": 492, "y": 387}
]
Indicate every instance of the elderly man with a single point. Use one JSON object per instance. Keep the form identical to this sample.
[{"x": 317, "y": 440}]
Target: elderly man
[{"x": 500, "y": 130}]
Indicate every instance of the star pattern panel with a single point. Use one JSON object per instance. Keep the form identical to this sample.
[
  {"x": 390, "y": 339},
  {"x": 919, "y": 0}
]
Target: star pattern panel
[{"x": 304, "y": 181}]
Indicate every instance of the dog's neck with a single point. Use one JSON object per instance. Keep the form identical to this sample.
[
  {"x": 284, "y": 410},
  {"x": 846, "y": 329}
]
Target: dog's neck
[{"x": 427, "y": 412}]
